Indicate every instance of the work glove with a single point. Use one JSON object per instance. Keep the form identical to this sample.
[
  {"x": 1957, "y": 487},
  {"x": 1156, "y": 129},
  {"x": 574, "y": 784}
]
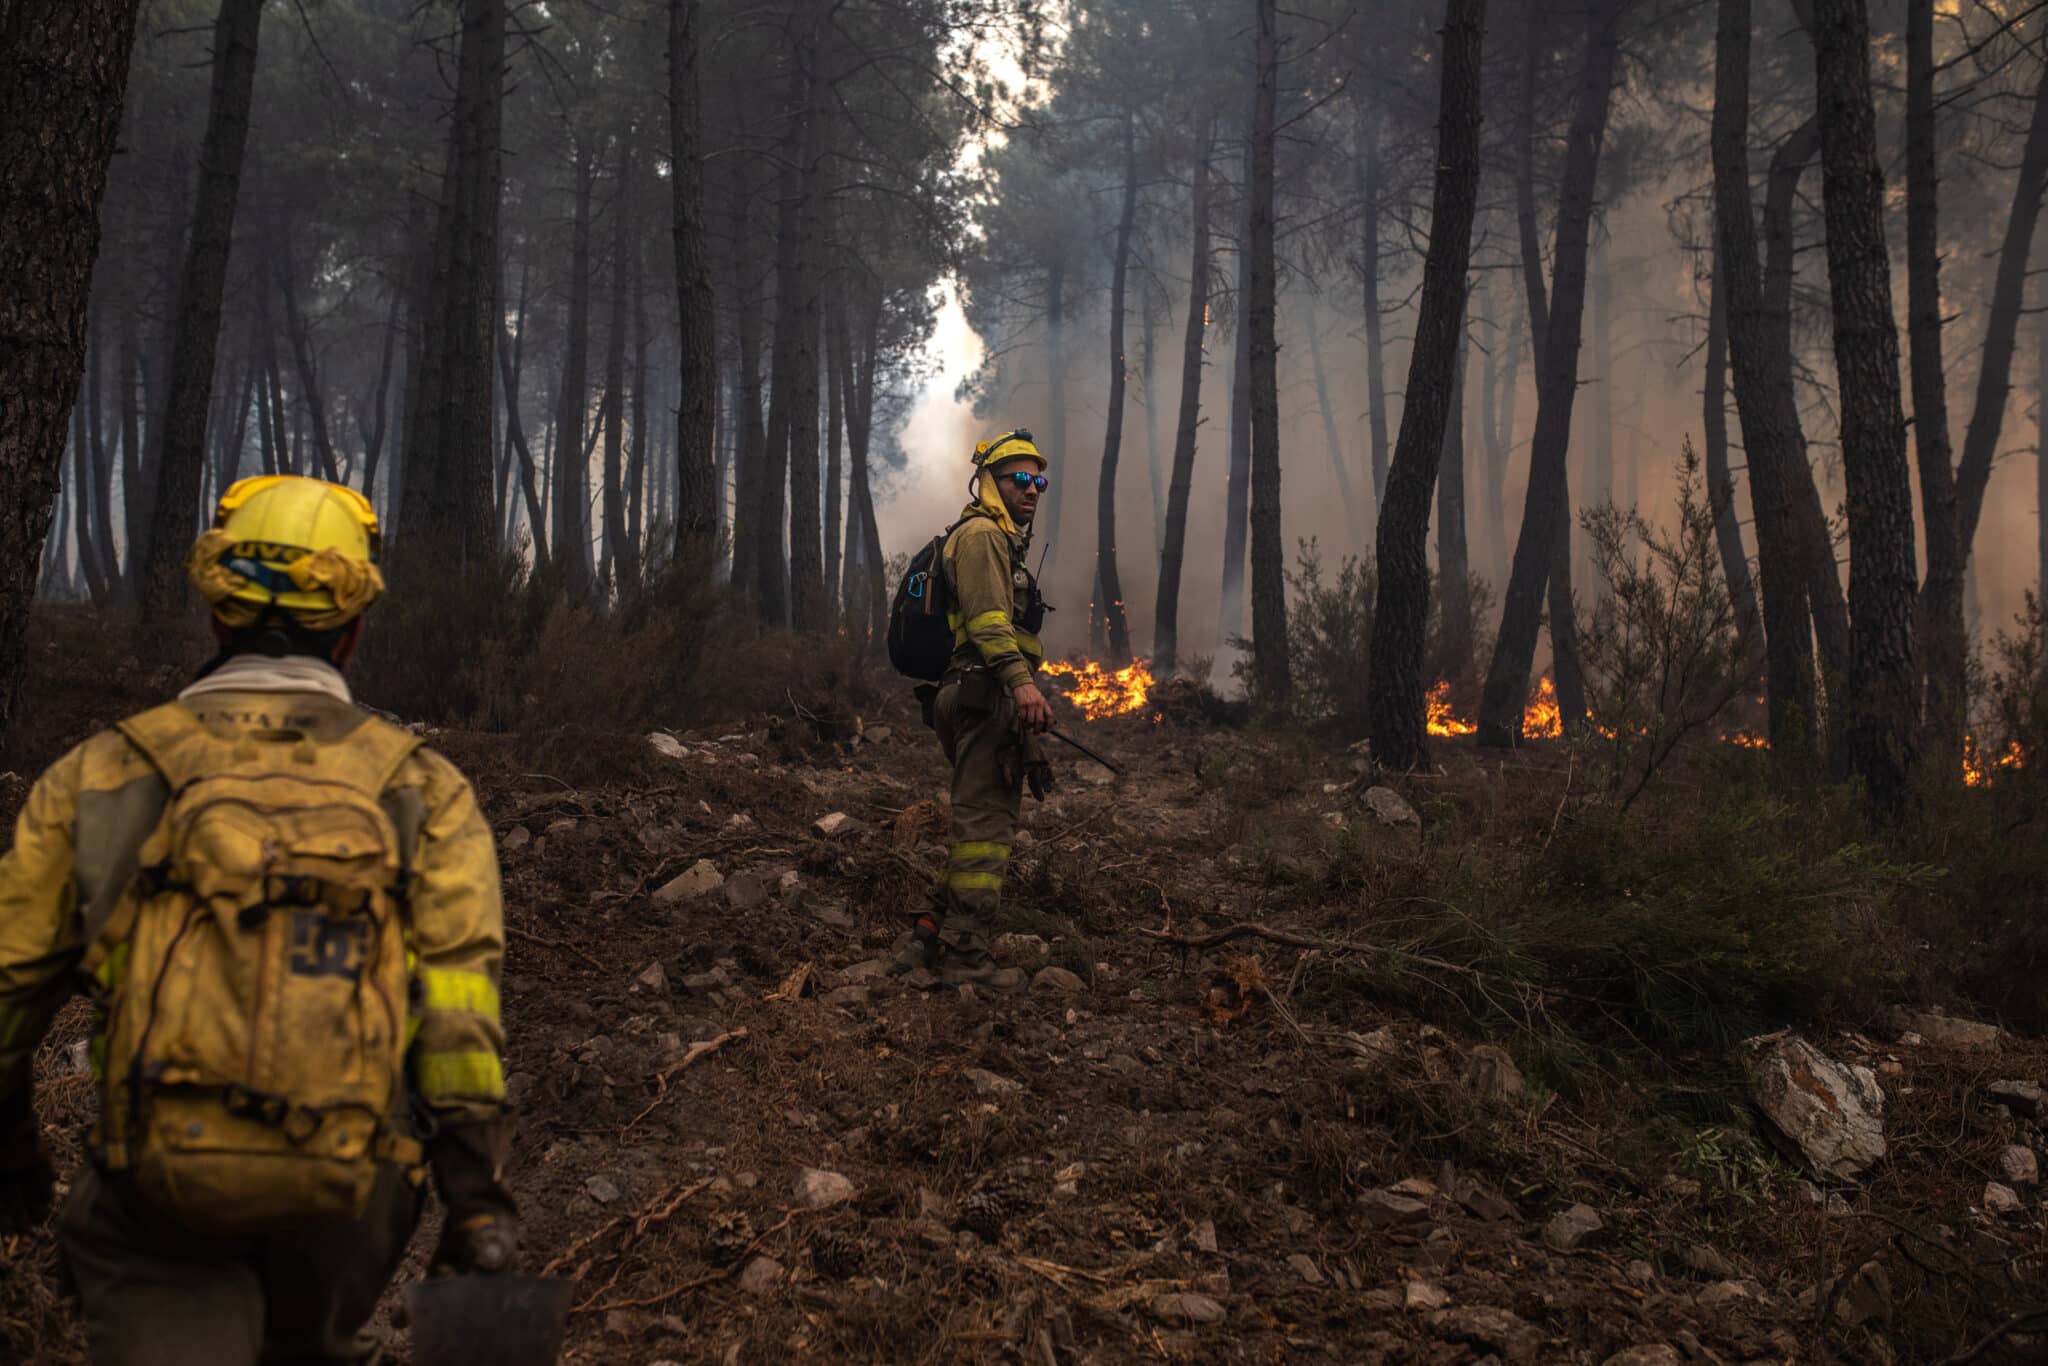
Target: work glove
[
  {"x": 27, "y": 1181},
  {"x": 481, "y": 1233}
]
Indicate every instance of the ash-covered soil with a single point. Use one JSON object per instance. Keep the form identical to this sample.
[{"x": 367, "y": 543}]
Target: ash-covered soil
[{"x": 749, "y": 1145}]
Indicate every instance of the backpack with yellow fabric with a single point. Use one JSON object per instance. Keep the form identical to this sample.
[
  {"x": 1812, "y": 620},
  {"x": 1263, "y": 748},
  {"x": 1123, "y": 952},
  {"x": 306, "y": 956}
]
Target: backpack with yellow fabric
[{"x": 254, "y": 980}]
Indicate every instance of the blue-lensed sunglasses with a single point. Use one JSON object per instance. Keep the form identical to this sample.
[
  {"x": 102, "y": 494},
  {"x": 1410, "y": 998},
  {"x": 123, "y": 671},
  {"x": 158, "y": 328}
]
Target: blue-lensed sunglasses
[{"x": 1024, "y": 479}]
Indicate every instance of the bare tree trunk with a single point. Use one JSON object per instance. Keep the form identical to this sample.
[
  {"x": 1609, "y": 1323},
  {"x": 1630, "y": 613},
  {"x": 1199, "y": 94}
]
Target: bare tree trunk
[
  {"x": 1237, "y": 489},
  {"x": 1369, "y": 270},
  {"x": 1453, "y": 549},
  {"x": 1878, "y": 732},
  {"x": 1600, "y": 453},
  {"x": 181, "y": 453},
  {"x": 618, "y": 548},
  {"x": 636, "y": 446},
  {"x": 449, "y": 445},
  {"x": 1048, "y": 524},
  {"x": 1720, "y": 477},
  {"x": 299, "y": 330},
  {"x": 77, "y": 480},
  {"x": 1109, "y": 585},
  {"x": 2001, "y": 325},
  {"x": 1944, "y": 649},
  {"x": 1542, "y": 553},
  {"x": 835, "y": 422},
  {"x": 1395, "y": 694},
  {"x": 2041, "y": 457},
  {"x": 1498, "y": 405},
  {"x": 1166, "y": 615},
  {"x": 1323, "y": 405},
  {"x": 810, "y": 604},
  {"x": 571, "y": 543},
  {"x": 750, "y": 436},
  {"x": 1269, "y": 566},
  {"x": 860, "y": 419},
  {"x": 372, "y": 431},
  {"x": 512, "y": 368},
  {"x": 63, "y": 73},
  {"x": 1148, "y": 375}
]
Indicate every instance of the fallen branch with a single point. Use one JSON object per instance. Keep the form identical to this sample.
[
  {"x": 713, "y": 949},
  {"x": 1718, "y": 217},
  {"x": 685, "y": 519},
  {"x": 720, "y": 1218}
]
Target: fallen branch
[
  {"x": 591, "y": 1306},
  {"x": 1338, "y": 946},
  {"x": 1985, "y": 1343},
  {"x": 649, "y": 1216},
  {"x": 702, "y": 1049}
]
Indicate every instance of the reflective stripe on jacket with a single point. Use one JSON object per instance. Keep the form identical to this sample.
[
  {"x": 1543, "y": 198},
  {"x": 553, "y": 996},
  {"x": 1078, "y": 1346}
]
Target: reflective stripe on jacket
[{"x": 991, "y": 592}]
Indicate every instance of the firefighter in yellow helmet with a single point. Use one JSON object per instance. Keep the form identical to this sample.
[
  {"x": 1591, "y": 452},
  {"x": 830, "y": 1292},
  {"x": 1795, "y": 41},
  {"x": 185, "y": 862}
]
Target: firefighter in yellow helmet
[
  {"x": 286, "y": 915},
  {"x": 989, "y": 712}
]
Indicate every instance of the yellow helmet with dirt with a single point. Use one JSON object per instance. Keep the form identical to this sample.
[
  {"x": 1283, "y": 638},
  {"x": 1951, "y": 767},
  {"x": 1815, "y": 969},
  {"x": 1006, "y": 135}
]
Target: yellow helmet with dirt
[
  {"x": 303, "y": 546},
  {"x": 1009, "y": 446}
]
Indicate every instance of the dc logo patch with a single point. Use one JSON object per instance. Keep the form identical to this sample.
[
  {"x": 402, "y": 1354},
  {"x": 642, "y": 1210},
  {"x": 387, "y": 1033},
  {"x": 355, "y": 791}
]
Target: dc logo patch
[{"x": 325, "y": 947}]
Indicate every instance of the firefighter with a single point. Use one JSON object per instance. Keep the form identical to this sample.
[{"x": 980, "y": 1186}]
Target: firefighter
[
  {"x": 988, "y": 712},
  {"x": 286, "y": 913}
]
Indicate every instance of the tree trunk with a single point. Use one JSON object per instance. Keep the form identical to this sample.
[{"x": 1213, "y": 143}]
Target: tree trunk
[
  {"x": 1166, "y": 615},
  {"x": 1237, "y": 488},
  {"x": 636, "y": 445},
  {"x": 1369, "y": 270},
  {"x": 1148, "y": 375},
  {"x": 1542, "y": 553},
  {"x": 1453, "y": 549},
  {"x": 1269, "y": 565},
  {"x": 618, "y": 549},
  {"x": 771, "y": 567},
  {"x": 1720, "y": 477},
  {"x": 1108, "y": 583},
  {"x": 181, "y": 451},
  {"x": 570, "y": 541},
  {"x": 1944, "y": 649},
  {"x": 449, "y": 446},
  {"x": 860, "y": 418},
  {"x": 63, "y": 73},
  {"x": 1323, "y": 405},
  {"x": 749, "y": 272},
  {"x": 2041, "y": 456},
  {"x": 299, "y": 331},
  {"x": 1878, "y": 729},
  {"x": 810, "y": 604},
  {"x": 76, "y": 481},
  {"x": 1395, "y": 693},
  {"x": 1994, "y": 375},
  {"x": 1600, "y": 455},
  {"x": 1048, "y": 524},
  {"x": 1499, "y": 406},
  {"x": 373, "y": 430},
  {"x": 511, "y": 370},
  {"x": 835, "y": 425}
]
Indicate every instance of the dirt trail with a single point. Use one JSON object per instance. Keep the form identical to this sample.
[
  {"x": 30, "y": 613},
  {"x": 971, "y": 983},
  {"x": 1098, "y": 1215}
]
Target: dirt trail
[{"x": 748, "y": 1144}]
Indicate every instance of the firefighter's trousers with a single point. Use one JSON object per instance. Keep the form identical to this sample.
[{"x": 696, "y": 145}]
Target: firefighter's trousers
[
  {"x": 155, "y": 1294},
  {"x": 977, "y": 724}
]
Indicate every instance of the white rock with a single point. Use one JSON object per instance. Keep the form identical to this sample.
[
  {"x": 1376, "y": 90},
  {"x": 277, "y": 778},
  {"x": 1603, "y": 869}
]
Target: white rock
[
  {"x": 517, "y": 838},
  {"x": 818, "y": 1189},
  {"x": 1058, "y": 981},
  {"x": 1383, "y": 1209},
  {"x": 1425, "y": 1295},
  {"x": 1570, "y": 1227},
  {"x": 1185, "y": 1308},
  {"x": 838, "y": 825},
  {"x": 602, "y": 1189},
  {"x": 1943, "y": 1031},
  {"x": 2018, "y": 1166},
  {"x": 987, "y": 1083},
  {"x": 1834, "y": 1114},
  {"x": 653, "y": 978},
  {"x": 701, "y": 878},
  {"x": 1094, "y": 774},
  {"x": 1491, "y": 1075},
  {"x": 1391, "y": 807},
  {"x": 2000, "y": 1198},
  {"x": 666, "y": 745},
  {"x": 760, "y": 1275},
  {"x": 2021, "y": 1097},
  {"x": 1305, "y": 1267}
]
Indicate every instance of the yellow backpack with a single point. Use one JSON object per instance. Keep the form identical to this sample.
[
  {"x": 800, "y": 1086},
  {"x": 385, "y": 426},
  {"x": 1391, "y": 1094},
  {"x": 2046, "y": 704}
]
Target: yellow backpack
[{"x": 254, "y": 980}]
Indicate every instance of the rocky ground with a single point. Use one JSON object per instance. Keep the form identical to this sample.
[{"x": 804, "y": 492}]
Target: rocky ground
[{"x": 1223, "y": 1124}]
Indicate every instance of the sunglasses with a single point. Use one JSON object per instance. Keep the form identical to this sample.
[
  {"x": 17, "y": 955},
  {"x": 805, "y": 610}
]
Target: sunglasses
[{"x": 1023, "y": 479}]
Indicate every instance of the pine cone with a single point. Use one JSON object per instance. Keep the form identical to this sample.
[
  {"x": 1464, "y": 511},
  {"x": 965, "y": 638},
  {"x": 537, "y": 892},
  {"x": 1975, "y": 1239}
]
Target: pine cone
[
  {"x": 837, "y": 1256},
  {"x": 728, "y": 1237},
  {"x": 984, "y": 1213}
]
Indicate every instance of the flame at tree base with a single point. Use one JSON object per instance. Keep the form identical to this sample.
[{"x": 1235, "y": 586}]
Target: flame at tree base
[{"x": 1101, "y": 693}]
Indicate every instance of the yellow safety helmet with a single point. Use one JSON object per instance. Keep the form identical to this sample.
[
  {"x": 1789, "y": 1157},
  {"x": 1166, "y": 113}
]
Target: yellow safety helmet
[
  {"x": 1010, "y": 446},
  {"x": 304, "y": 546}
]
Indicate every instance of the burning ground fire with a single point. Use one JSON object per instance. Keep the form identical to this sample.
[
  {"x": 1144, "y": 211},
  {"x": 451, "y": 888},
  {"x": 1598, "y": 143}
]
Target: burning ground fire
[
  {"x": 1541, "y": 719},
  {"x": 1100, "y": 693}
]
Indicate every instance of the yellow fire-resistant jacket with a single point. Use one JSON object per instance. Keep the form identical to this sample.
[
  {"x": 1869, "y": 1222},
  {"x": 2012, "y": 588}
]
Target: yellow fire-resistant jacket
[
  {"x": 75, "y": 846},
  {"x": 991, "y": 592}
]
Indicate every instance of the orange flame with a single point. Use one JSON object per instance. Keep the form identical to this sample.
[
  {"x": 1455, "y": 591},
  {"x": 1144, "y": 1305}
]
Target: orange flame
[
  {"x": 1440, "y": 721},
  {"x": 1977, "y": 770},
  {"x": 1541, "y": 719},
  {"x": 1744, "y": 740},
  {"x": 1100, "y": 693}
]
